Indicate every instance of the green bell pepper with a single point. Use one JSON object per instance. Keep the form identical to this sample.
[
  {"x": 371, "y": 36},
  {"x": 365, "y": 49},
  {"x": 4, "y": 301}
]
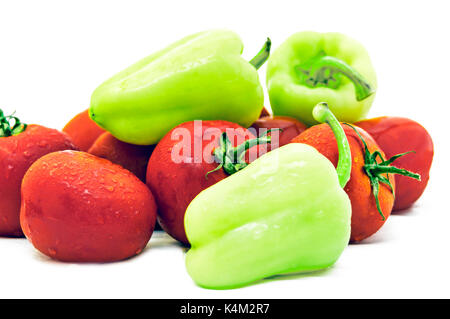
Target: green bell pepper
[
  {"x": 200, "y": 77},
  {"x": 285, "y": 212},
  {"x": 311, "y": 67}
]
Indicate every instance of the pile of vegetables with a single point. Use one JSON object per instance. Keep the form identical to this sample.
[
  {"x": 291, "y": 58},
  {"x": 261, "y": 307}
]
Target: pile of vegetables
[{"x": 182, "y": 139}]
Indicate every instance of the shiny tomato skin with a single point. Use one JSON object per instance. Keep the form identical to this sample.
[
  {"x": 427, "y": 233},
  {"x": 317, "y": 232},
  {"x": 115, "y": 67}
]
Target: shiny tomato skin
[
  {"x": 17, "y": 153},
  {"x": 132, "y": 157},
  {"x": 175, "y": 185},
  {"x": 83, "y": 130},
  {"x": 77, "y": 207},
  {"x": 289, "y": 126},
  {"x": 398, "y": 135}
]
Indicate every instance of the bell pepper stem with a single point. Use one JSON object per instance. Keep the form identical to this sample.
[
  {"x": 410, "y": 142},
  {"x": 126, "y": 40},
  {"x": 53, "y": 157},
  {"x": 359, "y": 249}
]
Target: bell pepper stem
[
  {"x": 10, "y": 125},
  {"x": 323, "y": 114},
  {"x": 262, "y": 56},
  {"x": 323, "y": 71}
]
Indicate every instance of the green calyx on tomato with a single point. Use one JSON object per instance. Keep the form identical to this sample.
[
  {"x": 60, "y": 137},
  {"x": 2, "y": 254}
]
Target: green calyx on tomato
[
  {"x": 231, "y": 158},
  {"x": 375, "y": 170},
  {"x": 10, "y": 125}
]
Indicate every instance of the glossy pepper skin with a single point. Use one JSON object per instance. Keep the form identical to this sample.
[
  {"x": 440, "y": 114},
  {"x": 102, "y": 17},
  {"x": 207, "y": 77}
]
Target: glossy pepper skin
[
  {"x": 397, "y": 135},
  {"x": 200, "y": 77},
  {"x": 310, "y": 67},
  {"x": 285, "y": 212},
  {"x": 17, "y": 153}
]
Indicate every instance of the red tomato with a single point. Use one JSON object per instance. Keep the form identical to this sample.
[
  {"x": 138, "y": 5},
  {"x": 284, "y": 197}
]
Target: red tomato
[
  {"x": 83, "y": 131},
  {"x": 81, "y": 208},
  {"x": 176, "y": 184},
  {"x": 366, "y": 219},
  {"x": 289, "y": 126},
  {"x": 398, "y": 135},
  {"x": 132, "y": 157},
  {"x": 17, "y": 153}
]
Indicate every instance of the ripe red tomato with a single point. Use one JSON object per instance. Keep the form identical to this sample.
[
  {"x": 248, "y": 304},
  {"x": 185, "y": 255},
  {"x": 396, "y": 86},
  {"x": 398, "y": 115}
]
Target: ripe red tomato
[
  {"x": 81, "y": 208},
  {"x": 17, "y": 153},
  {"x": 398, "y": 135},
  {"x": 83, "y": 131},
  {"x": 132, "y": 157},
  {"x": 176, "y": 183},
  {"x": 289, "y": 126}
]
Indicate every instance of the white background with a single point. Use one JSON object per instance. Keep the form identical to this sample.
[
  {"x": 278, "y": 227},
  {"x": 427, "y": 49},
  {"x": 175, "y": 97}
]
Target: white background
[{"x": 53, "y": 54}]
